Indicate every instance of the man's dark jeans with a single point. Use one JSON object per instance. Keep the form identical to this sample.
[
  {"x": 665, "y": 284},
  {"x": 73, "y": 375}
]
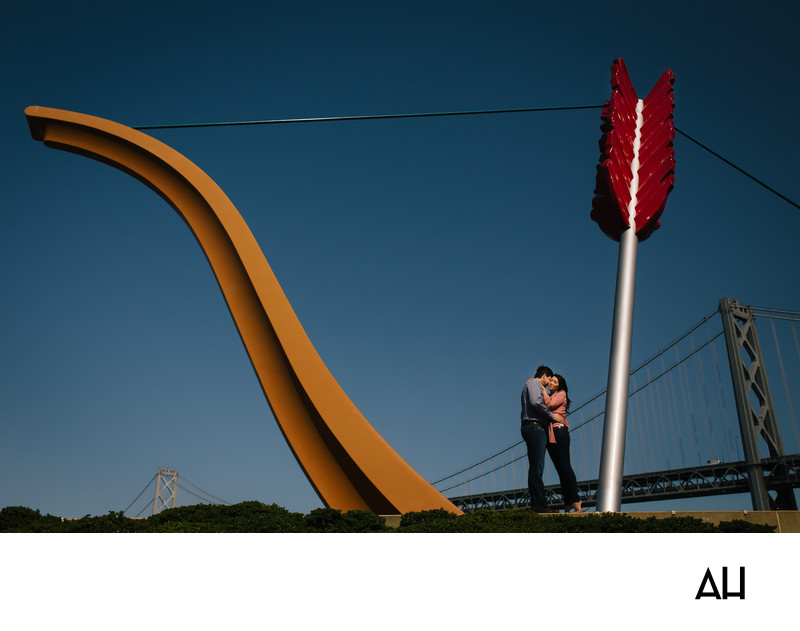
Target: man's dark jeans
[{"x": 535, "y": 437}]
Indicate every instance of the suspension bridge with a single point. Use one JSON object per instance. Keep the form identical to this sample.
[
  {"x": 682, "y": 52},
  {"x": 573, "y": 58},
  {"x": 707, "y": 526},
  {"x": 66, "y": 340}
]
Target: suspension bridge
[
  {"x": 166, "y": 489},
  {"x": 702, "y": 420}
]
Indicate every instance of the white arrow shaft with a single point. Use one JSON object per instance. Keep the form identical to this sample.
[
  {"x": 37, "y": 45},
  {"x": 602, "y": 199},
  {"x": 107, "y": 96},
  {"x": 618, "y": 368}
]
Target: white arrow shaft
[{"x": 637, "y": 143}]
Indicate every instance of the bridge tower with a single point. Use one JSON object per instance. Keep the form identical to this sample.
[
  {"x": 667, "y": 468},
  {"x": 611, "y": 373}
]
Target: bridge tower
[
  {"x": 755, "y": 422},
  {"x": 166, "y": 490}
]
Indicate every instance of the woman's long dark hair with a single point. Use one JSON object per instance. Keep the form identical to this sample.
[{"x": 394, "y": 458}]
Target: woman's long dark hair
[{"x": 562, "y": 385}]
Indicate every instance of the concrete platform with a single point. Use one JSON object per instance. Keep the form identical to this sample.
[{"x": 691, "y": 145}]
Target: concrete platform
[{"x": 783, "y": 521}]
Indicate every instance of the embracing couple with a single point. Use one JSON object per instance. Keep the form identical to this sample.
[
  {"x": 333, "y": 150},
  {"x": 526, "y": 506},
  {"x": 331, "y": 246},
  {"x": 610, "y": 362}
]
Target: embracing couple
[{"x": 545, "y": 429}]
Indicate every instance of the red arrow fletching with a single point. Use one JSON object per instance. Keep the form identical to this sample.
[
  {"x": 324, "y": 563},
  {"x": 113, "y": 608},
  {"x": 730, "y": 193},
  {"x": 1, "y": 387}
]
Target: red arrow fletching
[{"x": 637, "y": 159}]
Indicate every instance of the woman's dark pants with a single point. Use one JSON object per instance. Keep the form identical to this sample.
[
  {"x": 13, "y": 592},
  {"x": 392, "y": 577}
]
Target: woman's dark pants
[{"x": 559, "y": 454}]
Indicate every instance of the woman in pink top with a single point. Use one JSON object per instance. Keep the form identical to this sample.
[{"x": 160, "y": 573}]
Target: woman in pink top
[{"x": 558, "y": 447}]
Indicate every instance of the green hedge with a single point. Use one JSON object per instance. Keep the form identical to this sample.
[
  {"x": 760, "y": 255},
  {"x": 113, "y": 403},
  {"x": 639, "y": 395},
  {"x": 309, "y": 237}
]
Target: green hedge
[
  {"x": 258, "y": 517},
  {"x": 527, "y": 521}
]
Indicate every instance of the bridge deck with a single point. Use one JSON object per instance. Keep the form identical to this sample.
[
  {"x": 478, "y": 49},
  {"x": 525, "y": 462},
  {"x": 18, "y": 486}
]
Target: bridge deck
[{"x": 711, "y": 479}]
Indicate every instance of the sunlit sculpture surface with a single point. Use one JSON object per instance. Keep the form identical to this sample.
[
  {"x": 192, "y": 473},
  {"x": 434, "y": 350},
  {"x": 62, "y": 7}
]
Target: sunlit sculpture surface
[{"x": 347, "y": 462}]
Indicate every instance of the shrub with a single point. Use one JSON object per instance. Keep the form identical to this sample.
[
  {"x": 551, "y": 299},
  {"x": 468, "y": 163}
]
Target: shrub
[
  {"x": 112, "y": 522},
  {"x": 243, "y": 517},
  {"x": 333, "y": 520},
  {"x": 438, "y": 520},
  {"x": 323, "y": 520},
  {"x": 521, "y": 520},
  {"x": 251, "y": 517},
  {"x": 739, "y": 525},
  {"x": 22, "y": 519},
  {"x": 364, "y": 521}
]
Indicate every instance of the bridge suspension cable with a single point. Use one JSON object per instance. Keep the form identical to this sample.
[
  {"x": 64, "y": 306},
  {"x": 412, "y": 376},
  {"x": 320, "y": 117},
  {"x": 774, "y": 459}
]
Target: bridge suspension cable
[
  {"x": 185, "y": 479},
  {"x": 140, "y": 493},
  {"x": 147, "y": 506},
  {"x": 781, "y": 364},
  {"x": 193, "y": 494},
  {"x": 763, "y": 312}
]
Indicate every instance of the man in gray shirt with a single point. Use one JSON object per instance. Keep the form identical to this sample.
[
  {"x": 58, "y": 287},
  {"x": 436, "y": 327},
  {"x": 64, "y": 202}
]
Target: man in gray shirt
[{"x": 536, "y": 419}]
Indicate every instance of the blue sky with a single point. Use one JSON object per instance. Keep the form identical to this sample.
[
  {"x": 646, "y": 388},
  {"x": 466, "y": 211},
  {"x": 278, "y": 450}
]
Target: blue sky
[{"x": 433, "y": 262}]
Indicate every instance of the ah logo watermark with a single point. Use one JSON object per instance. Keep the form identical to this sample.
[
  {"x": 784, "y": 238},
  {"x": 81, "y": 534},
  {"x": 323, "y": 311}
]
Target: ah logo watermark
[{"x": 709, "y": 583}]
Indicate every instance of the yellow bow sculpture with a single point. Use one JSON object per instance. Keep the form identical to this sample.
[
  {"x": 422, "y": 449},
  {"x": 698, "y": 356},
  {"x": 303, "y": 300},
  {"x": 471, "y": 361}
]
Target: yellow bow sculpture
[{"x": 347, "y": 462}]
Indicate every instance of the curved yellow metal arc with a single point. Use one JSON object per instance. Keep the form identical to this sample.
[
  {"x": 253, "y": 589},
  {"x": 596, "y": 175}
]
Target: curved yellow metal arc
[{"x": 347, "y": 462}]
